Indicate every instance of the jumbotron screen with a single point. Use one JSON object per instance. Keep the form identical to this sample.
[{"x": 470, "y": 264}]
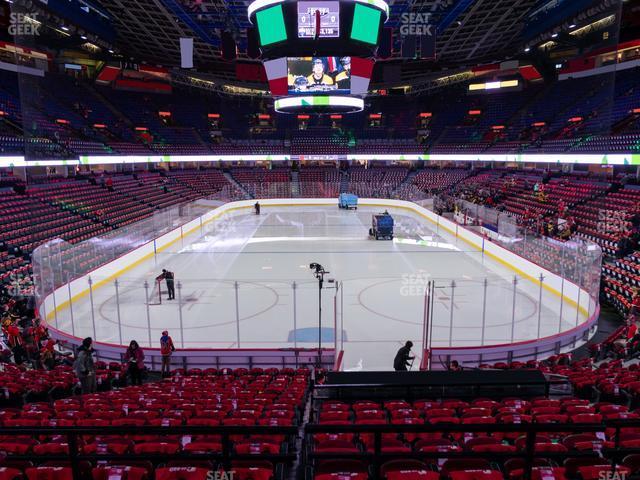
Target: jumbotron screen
[
  {"x": 311, "y": 75},
  {"x": 329, "y": 19},
  {"x": 271, "y": 25}
]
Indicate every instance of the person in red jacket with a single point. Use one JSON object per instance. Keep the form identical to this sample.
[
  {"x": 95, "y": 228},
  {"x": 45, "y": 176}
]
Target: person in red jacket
[
  {"x": 16, "y": 344},
  {"x": 166, "y": 349},
  {"x": 135, "y": 362}
]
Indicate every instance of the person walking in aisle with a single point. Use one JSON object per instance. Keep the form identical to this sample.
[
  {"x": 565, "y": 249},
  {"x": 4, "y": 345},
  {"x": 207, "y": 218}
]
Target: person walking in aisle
[
  {"x": 84, "y": 367},
  {"x": 401, "y": 362},
  {"x": 166, "y": 349},
  {"x": 135, "y": 362}
]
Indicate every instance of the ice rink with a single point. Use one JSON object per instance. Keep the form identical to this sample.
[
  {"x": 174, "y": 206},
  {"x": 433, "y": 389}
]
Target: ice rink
[{"x": 245, "y": 281}]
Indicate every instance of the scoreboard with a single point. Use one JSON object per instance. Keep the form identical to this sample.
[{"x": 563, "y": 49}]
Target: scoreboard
[
  {"x": 348, "y": 28},
  {"x": 329, "y": 19}
]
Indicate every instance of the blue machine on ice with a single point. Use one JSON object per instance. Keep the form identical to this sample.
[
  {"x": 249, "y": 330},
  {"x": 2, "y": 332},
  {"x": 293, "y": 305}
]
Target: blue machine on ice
[
  {"x": 348, "y": 200},
  {"x": 382, "y": 226}
]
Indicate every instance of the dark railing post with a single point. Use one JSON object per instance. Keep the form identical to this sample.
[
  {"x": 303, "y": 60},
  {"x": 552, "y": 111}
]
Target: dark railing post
[
  {"x": 530, "y": 452},
  {"x": 226, "y": 452},
  {"x": 377, "y": 446},
  {"x": 72, "y": 441}
]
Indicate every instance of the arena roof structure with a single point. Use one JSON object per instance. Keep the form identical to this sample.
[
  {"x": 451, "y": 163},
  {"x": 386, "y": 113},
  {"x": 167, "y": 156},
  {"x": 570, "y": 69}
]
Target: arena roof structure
[{"x": 467, "y": 30}]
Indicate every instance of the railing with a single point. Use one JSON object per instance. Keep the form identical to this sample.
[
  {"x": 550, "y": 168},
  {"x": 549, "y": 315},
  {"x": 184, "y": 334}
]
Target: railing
[{"x": 223, "y": 358}]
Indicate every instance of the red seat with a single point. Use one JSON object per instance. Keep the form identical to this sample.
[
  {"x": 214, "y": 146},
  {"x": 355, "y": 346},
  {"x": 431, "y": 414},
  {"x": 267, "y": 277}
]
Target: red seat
[
  {"x": 203, "y": 447},
  {"x": 336, "y": 446},
  {"x": 257, "y": 448},
  {"x": 156, "y": 448},
  {"x": 10, "y": 473},
  {"x": 49, "y": 473},
  {"x": 182, "y": 473},
  {"x": 119, "y": 473},
  {"x": 486, "y": 474}
]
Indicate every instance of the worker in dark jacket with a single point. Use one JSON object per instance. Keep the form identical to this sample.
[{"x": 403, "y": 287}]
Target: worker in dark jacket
[
  {"x": 169, "y": 278},
  {"x": 401, "y": 362}
]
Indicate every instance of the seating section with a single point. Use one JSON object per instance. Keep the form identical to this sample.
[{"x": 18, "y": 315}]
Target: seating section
[
  {"x": 570, "y": 454},
  {"x": 592, "y": 114},
  {"x": 319, "y": 182},
  {"x": 376, "y": 182},
  {"x": 433, "y": 180},
  {"x": 199, "y": 398},
  {"x": 261, "y": 183},
  {"x": 248, "y": 398}
]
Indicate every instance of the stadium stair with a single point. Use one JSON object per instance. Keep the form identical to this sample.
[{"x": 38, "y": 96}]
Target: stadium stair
[
  {"x": 406, "y": 182},
  {"x": 238, "y": 185},
  {"x": 344, "y": 182},
  {"x": 295, "y": 184}
]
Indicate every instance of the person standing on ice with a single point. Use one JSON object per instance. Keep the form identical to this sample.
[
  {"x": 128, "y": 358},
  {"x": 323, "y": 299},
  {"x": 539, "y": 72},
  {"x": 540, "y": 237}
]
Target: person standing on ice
[
  {"x": 169, "y": 278},
  {"x": 401, "y": 362},
  {"x": 257, "y": 207}
]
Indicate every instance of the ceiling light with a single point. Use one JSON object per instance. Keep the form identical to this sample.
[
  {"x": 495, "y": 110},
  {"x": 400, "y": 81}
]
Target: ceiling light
[
  {"x": 66, "y": 29},
  {"x": 555, "y": 35},
  {"x": 527, "y": 49},
  {"x": 573, "y": 25}
]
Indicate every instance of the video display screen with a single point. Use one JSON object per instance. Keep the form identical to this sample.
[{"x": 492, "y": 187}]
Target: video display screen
[
  {"x": 366, "y": 24},
  {"x": 271, "y": 25},
  {"x": 329, "y": 19},
  {"x": 309, "y": 75}
]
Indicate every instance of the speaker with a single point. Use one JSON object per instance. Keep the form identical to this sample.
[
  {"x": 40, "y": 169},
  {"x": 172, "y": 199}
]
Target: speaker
[
  {"x": 229, "y": 49},
  {"x": 253, "y": 44},
  {"x": 386, "y": 43},
  {"x": 186, "y": 52}
]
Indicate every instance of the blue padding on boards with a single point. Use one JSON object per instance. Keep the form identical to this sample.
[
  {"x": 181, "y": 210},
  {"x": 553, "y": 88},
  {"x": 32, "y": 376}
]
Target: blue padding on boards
[{"x": 311, "y": 335}]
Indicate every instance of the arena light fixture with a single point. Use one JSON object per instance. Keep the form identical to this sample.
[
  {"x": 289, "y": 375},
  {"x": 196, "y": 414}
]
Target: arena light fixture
[{"x": 557, "y": 158}]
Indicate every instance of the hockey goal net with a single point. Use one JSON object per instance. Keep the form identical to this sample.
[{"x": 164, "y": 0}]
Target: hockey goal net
[{"x": 155, "y": 294}]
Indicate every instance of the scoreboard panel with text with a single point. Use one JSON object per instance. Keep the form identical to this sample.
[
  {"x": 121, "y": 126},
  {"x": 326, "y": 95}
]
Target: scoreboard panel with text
[{"x": 329, "y": 19}]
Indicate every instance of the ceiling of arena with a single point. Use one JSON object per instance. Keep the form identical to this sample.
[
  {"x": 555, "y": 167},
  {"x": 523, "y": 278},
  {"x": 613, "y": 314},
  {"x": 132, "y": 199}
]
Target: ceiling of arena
[{"x": 469, "y": 31}]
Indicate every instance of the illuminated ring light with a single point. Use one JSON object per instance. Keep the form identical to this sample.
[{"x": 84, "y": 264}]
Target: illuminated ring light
[
  {"x": 322, "y": 104},
  {"x": 259, "y": 5}
]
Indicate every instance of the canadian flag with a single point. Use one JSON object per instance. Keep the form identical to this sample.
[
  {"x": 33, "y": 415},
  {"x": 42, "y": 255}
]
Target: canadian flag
[{"x": 277, "y": 75}]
